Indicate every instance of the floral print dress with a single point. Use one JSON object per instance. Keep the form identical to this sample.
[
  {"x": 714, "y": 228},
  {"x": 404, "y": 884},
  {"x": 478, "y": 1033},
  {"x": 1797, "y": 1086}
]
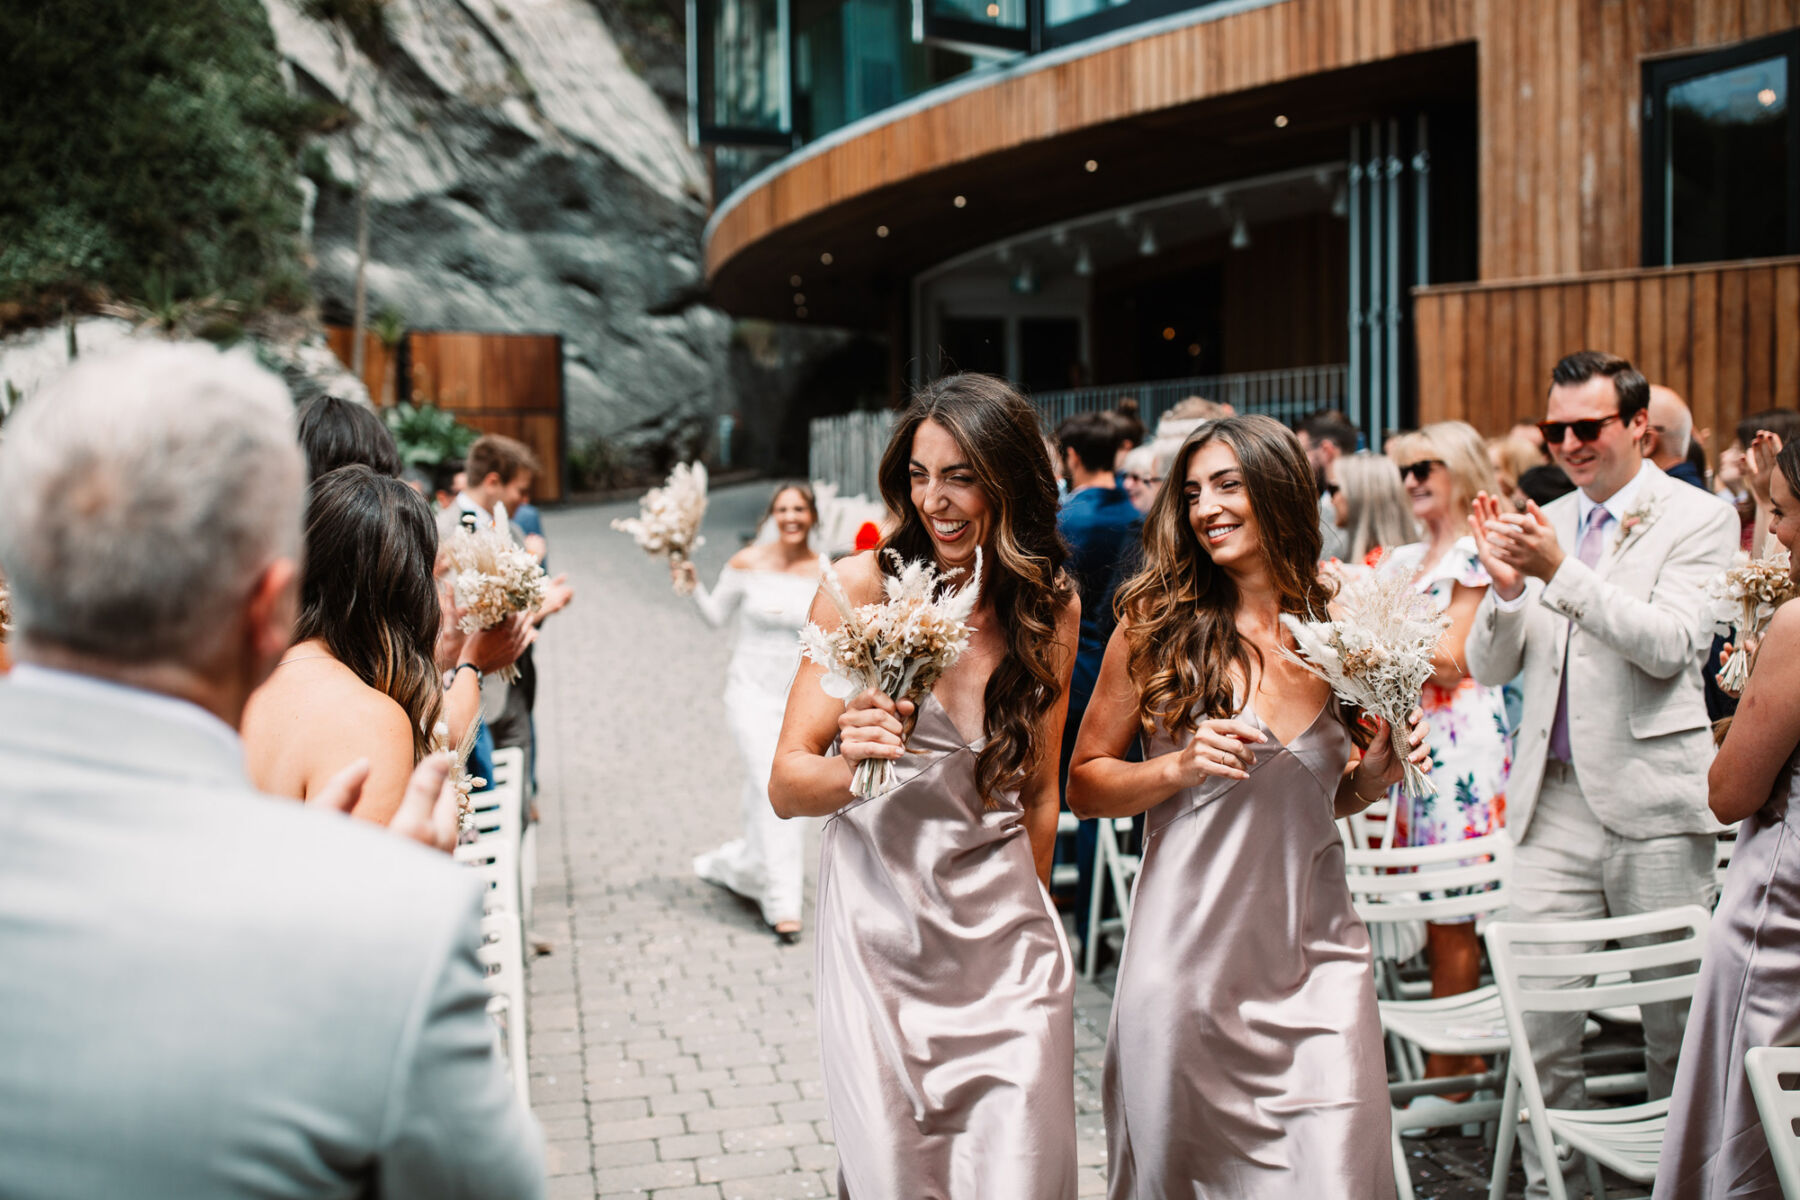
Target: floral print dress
[{"x": 1470, "y": 747}]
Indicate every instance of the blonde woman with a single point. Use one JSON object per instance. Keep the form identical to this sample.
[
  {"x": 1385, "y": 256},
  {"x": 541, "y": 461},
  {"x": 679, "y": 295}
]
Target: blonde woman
[
  {"x": 1445, "y": 467},
  {"x": 1371, "y": 504}
]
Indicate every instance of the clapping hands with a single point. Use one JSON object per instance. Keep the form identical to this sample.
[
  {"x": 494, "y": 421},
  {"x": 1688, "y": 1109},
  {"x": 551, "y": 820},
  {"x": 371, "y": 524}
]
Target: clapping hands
[{"x": 1513, "y": 546}]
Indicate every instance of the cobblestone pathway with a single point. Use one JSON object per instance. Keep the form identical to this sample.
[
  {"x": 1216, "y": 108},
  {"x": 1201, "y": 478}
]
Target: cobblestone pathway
[{"x": 673, "y": 1047}]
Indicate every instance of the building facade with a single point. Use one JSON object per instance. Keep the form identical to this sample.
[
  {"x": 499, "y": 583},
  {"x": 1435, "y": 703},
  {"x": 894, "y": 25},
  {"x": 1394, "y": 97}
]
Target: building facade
[{"x": 1407, "y": 209}]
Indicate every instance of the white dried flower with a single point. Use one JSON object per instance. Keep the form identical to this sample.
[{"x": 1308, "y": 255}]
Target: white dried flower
[
  {"x": 668, "y": 520},
  {"x": 1376, "y": 654},
  {"x": 1744, "y": 597},
  {"x": 492, "y": 578},
  {"x": 900, "y": 647}
]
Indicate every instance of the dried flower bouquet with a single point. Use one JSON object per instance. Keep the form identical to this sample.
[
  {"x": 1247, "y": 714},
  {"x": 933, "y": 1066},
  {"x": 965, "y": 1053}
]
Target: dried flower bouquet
[
  {"x": 1744, "y": 598},
  {"x": 668, "y": 520},
  {"x": 900, "y": 647},
  {"x": 493, "y": 578},
  {"x": 1376, "y": 654}
]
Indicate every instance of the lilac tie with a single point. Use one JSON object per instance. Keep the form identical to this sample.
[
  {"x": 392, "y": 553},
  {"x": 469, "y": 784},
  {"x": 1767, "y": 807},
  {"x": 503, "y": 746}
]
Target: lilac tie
[{"x": 1589, "y": 553}]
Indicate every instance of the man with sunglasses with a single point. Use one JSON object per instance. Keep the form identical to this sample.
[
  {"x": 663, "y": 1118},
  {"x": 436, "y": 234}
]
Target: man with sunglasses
[{"x": 1598, "y": 599}]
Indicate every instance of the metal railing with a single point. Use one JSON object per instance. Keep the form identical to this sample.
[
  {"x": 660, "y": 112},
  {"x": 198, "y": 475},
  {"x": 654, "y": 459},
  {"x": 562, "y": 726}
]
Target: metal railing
[
  {"x": 846, "y": 450},
  {"x": 1287, "y": 395}
]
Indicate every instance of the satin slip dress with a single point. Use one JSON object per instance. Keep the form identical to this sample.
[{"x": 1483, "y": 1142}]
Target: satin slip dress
[
  {"x": 1748, "y": 995},
  {"x": 1245, "y": 1057},
  {"x": 945, "y": 990}
]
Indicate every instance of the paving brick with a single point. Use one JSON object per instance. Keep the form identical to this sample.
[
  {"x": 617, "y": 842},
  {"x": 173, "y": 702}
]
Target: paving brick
[
  {"x": 720, "y": 1167},
  {"x": 768, "y": 1137}
]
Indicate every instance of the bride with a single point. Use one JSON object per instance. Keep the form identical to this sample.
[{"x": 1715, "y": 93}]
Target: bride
[{"x": 771, "y": 586}]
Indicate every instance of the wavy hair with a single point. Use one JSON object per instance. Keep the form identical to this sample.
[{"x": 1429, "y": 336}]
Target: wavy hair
[
  {"x": 996, "y": 429},
  {"x": 367, "y": 591},
  {"x": 1179, "y": 612}
]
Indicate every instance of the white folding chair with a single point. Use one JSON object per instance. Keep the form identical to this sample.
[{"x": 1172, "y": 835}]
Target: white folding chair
[
  {"x": 1394, "y": 888},
  {"x": 501, "y": 954},
  {"x": 1532, "y": 964},
  {"x": 1371, "y": 829},
  {"x": 1114, "y": 869},
  {"x": 1775, "y": 1082}
]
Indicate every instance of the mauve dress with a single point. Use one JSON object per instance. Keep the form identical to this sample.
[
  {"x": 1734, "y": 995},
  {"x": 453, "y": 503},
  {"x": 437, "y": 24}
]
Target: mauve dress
[
  {"x": 1245, "y": 1055},
  {"x": 1748, "y": 995},
  {"x": 945, "y": 991}
]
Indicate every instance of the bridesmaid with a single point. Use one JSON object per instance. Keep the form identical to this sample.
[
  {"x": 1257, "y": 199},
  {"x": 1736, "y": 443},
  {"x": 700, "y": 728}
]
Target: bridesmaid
[
  {"x": 770, "y": 586},
  {"x": 945, "y": 991},
  {"x": 1245, "y": 1056},
  {"x": 1713, "y": 1147}
]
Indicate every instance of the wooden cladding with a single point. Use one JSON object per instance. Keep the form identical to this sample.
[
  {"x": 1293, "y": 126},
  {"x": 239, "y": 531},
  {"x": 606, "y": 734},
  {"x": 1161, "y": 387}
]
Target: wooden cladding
[
  {"x": 505, "y": 383},
  {"x": 1244, "y": 50},
  {"x": 1725, "y": 336},
  {"x": 1561, "y": 94},
  {"x": 380, "y": 362}
]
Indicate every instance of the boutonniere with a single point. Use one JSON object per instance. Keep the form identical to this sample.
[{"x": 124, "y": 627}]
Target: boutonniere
[{"x": 1634, "y": 522}]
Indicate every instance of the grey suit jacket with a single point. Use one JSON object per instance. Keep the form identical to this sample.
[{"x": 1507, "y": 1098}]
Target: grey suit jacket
[
  {"x": 1633, "y": 631},
  {"x": 207, "y": 993}
]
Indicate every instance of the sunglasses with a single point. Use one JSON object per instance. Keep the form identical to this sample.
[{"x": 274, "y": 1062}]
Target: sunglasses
[
  {"x": 1146, "y": 480},
  {"x": 1420, "y": 471},
  {"x": 1585, "y": 431}
]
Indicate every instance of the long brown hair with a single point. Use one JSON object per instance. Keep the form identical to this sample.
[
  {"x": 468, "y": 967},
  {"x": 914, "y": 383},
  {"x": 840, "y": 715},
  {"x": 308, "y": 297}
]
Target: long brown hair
[
  {"x": 996, "y": 429},
  {"x": 367, "y": 589},
  {"x": 1180, "y": 611}
]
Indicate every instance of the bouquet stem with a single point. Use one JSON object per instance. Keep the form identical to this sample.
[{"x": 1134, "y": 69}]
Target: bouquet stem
[
  {"x": 873, "y": 776},
  {"x": 1414, "y": 783},
  {"x": 1735, "y": 674},
  {"x": 682, "y": 586}
]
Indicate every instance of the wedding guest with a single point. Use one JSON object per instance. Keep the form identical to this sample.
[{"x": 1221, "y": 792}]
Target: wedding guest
[
  {"x": 1511, "y": 456},
  {"x": 1102, "y": 528},
  {"x": 945, "y": 990},
  {"x": 1137, "y": 475},
  {"x": 211, "y": 992},
  {"x": 1670, "y": 435},
  {"x": 1129, "y": 427},
  {"x": 1599, "y": 599},
  {"x": 770, "y": 586},
  {"x": 1446, "y": 467},
  {"x": 1326, "y": 437},
  {"x": 1528, "y": 431},
  {"x": 1245, "y": 1055},
  {"x": 335, "y": 433},
  {"x": 1369, "y": 505},
  {"x": 1541, "y": 485},
  {"x": 1714, "y": 1146},
  {"x": 361, "y": 680},
  {"x": 1761, "y": 436}
]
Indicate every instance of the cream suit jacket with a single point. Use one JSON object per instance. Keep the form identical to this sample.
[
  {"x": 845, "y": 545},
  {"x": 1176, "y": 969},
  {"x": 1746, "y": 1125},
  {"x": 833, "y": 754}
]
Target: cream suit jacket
[
  {"x": 210, "y": 993},
  {"x": 1633, "y": 631}
]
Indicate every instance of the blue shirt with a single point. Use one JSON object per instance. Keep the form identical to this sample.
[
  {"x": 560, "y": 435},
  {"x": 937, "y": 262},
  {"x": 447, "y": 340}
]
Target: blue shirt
[{"x": 1103, "y": 531}]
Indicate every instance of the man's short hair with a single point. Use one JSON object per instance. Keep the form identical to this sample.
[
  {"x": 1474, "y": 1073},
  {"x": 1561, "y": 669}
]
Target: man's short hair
[
  {"x": 497, "y": 454},
  {"x": 1330, "y": 426},
  {"x": 1629, "y": 384},
  {"x": 336, "y": 433},
  {"x": 1129, "y": 425},
  {"x": 146, "y": 490},
  {"x": 1094, "y": 437},
  {"x": 1543, "y": 484}
]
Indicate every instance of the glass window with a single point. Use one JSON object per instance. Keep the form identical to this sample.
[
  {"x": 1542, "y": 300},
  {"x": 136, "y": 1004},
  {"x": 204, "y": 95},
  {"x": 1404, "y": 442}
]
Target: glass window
[
  {"x": 853, "y": 58},
  {"x": 994, "y": 28},
  {"x": 742, "y": 84},
  {"x": 1061, "y": 12},
  {"x": 733, "y": 166},
  {"x": 1723, "y": 157}
]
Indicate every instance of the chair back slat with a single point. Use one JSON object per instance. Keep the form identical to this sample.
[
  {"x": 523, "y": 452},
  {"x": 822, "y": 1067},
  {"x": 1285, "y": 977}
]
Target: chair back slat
[
  {"x": 1413, "y": 883},
  {"x": 1775, "y": 1082}
]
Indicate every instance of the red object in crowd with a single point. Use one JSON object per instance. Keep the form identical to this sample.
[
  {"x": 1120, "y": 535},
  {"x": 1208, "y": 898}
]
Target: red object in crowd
[{"x": 868, "y": 537}]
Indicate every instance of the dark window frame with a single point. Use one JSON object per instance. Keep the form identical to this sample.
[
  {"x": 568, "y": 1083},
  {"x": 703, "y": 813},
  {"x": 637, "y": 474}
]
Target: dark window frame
[
  {"x": 976, "y": 37},
  {"x": 706, "y": 132},
  {"x": 1662, "y": 74}
]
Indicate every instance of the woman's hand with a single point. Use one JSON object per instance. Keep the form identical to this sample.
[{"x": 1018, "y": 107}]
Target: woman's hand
[
  {"x": 499, "y": 646},
  {"x": 1508, "y": 580},
  {"x": 1759, "y": 465},
  {"x": 1378, "y": 761},
  {"x": 1751, "y": 646},
  {"x": 872, "y": 726},
  {"x": 683, "y": 575},
  {"x": 1219, "y": 749}
]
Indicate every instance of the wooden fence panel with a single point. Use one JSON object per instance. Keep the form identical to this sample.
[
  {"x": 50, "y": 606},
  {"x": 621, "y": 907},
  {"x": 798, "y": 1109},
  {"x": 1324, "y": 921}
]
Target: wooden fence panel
[
  {"x": 505, "y": 383},
  {"x": 1724, "y": 335}
]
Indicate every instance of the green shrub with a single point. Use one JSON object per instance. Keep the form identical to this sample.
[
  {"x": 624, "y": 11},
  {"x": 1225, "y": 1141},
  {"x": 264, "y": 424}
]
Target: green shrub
[
  {"x": 149, "y": 150},
  {"x": 427, "y": 435}
]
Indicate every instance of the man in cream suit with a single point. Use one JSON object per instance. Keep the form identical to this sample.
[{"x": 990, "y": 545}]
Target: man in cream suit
[
  {"x": 208, "y": 992},
  {"x": 1599, "y": 600}
]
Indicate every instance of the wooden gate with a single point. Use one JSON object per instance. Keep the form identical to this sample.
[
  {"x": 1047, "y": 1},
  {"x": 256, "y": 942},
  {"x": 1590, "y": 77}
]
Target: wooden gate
[{"x": 506, "y": 383}]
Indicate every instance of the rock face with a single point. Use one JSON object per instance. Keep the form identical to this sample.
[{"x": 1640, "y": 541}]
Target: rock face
[{"x": 524, "y": 178}]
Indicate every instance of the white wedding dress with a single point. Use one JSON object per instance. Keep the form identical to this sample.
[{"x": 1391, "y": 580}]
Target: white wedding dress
[{"x": 768, "y": 864}]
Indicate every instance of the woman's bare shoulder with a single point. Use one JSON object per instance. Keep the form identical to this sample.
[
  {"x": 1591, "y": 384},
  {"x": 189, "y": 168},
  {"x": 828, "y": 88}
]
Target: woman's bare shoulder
[
  {"x": 753, "y": 557},
  {"x": 327, "y": 702}
]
